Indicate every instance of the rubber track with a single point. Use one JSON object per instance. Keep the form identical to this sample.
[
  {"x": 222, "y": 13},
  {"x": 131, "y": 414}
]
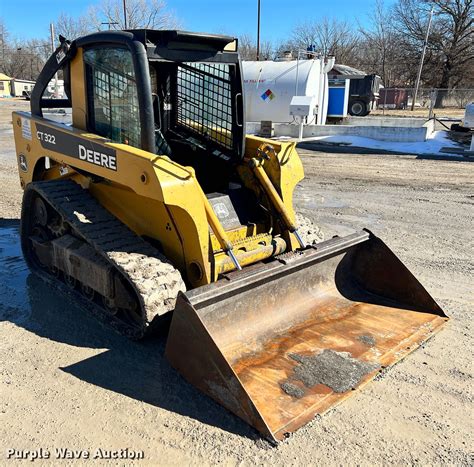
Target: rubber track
[{"x": 154, "y": 279}]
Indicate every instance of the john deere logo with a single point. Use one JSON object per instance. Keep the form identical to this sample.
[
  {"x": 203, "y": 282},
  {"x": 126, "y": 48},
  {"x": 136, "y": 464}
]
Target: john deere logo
[
  {"x": 268, "y": 95},
  {"x": 221, "y": 210},
  {"x": 23, "y": 163}
]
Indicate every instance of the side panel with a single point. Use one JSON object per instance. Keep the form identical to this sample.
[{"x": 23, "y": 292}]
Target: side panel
[
  {"x": 151, "y": 194},
  {"x": 78, "y": 92}
]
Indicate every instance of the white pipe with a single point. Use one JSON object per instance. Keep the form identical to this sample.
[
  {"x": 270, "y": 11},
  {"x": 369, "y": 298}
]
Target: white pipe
[
  {"x": 320, "y": 96},
  {"x": 297, "y": 72},
  {"x": 300, "y": 133},
  {"x": 324, "y": 87},
  {"x": 325, "y": 99}
]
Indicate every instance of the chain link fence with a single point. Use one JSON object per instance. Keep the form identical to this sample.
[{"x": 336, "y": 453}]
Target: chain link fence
[{"x": 447, "y": 103}]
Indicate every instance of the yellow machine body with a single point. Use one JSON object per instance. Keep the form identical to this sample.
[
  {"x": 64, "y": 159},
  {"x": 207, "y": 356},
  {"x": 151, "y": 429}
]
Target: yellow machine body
[
  {"x": 159, "y": 199},
  {"x": 290, "y": 335}
]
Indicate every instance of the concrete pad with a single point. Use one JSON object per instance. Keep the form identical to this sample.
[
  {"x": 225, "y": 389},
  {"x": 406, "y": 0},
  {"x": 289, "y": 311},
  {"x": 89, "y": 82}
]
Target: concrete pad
[
  {"x": 400, "y": 134},
  {"x": 385, "y": 121}
]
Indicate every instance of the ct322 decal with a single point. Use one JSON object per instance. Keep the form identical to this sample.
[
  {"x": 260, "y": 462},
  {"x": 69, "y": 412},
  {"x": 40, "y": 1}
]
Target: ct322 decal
[
  {"x": 67, "y": 143},
  {"x": 47, "y": 137}
]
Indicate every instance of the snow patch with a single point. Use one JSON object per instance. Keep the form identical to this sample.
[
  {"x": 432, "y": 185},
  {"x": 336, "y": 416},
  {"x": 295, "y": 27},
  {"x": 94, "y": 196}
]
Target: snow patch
[{"x": 432, "y": 145}]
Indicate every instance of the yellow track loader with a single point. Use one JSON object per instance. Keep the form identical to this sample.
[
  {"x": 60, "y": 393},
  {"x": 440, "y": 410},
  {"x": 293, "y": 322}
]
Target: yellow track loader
[{"x": 155, "y": 204}]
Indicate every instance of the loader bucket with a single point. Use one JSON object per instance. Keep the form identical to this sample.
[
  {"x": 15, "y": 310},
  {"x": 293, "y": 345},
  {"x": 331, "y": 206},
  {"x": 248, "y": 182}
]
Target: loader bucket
[{"x": 278, "y": 343}]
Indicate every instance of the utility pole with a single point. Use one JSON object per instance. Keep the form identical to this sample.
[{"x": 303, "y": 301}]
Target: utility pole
[
  {"x": 125, "y": 14},
  {"x": 258, "y": 31},
  {"x": 425, "y": 44},
  {"x": 3, "y": 45},
  {"x": 53, "y": 48},
  {"x": 51, "y": 29}
]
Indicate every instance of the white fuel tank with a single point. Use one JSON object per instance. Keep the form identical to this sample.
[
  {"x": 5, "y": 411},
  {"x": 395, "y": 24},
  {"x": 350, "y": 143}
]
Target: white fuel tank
[
  {"x": 269, "y": 87},
  {"x": 468, "y": 121}
]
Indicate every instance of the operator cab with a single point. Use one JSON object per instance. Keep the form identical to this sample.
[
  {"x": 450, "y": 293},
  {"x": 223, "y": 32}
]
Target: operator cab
[
  {"x": 196, "y": 97},
  {"x": 197, "y": 101},
  {"x": 176, "y": 94}
]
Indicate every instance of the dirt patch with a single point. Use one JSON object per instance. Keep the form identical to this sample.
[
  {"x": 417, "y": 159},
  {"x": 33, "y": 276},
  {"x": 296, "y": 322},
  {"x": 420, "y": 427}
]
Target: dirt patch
[
  {"x": 451, "y": 112},
  {"x": 292, "y": 390},
  {"x": 367, "y": 339},
  {"x": 337, "y": 370}
]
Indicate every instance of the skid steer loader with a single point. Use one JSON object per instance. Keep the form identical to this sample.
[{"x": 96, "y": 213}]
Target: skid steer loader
[{"x": 155, "y": 201}]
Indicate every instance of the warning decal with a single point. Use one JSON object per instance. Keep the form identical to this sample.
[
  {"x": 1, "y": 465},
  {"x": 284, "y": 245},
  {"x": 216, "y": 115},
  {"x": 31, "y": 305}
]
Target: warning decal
[{"x": 268, "y": 95}]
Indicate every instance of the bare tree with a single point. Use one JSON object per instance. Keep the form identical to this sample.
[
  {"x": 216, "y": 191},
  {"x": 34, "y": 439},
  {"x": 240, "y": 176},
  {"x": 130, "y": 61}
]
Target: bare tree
[
  {"x": 24, "y": 60},
  {"x": 248, "y": 49},
  {"x": 328, "y": 37},
  {"x": 74, "y": 27},
  {"x": 450, "y": 54},
  {"x": 108, "y": 14},
  {"x": 140, "y": 14},
  {"x": 21, "y": 59},
  {"x": 379, "y": 50}
]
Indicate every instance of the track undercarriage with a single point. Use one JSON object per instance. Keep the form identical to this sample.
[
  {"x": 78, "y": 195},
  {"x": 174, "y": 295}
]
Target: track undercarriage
[{"x": 69, "y": 238}]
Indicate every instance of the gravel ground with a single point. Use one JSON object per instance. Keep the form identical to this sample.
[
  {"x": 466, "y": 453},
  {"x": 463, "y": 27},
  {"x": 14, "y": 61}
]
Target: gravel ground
[{"x": 66, "y": 382}]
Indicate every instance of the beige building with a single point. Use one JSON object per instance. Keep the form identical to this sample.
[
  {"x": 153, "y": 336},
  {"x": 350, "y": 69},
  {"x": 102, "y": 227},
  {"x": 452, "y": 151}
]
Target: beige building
[{"x": 5, "y": 88}]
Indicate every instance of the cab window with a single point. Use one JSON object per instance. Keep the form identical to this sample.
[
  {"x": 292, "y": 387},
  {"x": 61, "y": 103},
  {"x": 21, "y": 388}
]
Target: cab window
[{"x": 112, "y": 95}]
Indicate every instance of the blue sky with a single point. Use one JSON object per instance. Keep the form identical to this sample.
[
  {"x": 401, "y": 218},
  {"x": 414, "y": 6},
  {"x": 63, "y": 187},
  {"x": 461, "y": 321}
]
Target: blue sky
[{"x": 31, "y": 18}]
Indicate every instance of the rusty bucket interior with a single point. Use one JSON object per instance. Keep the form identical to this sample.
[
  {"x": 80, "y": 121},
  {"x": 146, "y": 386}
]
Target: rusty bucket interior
[{"x": 278, "y": 343}]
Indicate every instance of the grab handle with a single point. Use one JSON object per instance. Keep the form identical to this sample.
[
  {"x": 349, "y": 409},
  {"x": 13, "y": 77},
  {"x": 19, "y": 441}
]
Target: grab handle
[{"x": 239, "y": 109}]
